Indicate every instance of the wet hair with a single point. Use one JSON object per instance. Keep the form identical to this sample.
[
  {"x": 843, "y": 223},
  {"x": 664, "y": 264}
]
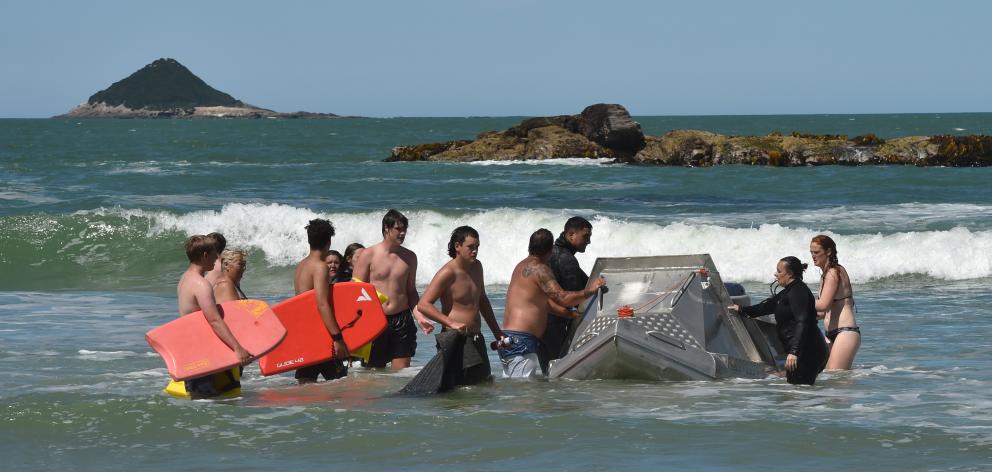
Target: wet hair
[
  {"x": 541, "y": 243},
  {"x": 319, "y": 233},
  {"x": 232, "y": 256},
  {"x": 337, "y": 254},
  {"x": 350, "y": 251},
  {"x": 577, "y": 223},
  {"x": 794, "y": 266},
  {"x": 830, "y": 246},
  {"x": 458, "y": 237},
  {"x": 198, "y": 244},
  {"x": 392, "y": 217},
  {"x": 220, "y": 241}
]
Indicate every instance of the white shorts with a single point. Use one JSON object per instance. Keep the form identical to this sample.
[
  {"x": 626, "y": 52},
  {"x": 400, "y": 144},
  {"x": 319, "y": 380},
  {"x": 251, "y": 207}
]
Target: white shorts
[{"x": 523, "y": 366}]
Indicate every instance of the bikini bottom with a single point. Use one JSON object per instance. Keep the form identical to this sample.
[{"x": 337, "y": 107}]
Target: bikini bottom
[{"x": 832, "y": 334}]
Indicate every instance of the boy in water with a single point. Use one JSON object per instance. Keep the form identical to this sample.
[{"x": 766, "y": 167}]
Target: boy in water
[
  {"x": 392, "y": 268},
  {"x": 195, "y": 294},
  {"x": 312, "y": 274},
  {"x": 460, "y": 286}
]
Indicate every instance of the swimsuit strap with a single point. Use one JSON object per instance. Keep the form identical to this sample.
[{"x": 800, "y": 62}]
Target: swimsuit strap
[{"x": 241, "y": 294}]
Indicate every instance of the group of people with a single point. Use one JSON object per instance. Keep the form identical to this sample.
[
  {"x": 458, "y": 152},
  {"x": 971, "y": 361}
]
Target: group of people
[
  {"x": 542, "y": 299},
  {"x": 796, "y": 310}
]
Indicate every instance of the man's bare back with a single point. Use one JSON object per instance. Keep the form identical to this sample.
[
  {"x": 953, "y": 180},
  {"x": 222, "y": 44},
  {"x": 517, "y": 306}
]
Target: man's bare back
[
  {"x": 194, "y": 293},
  {"x": 531, "y": 286},
  {"x": 191, "y": 291}
]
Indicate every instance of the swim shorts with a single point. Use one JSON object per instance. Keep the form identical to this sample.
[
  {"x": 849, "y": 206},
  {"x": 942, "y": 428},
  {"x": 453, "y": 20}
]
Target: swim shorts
[
  {"x": 330, "y": 369},
  {"x": 397, "y": 341},
  {"x": 519, "y": 358}
]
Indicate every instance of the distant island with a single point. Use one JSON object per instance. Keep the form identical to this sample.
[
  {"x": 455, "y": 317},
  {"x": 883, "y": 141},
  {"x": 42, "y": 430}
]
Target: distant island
[
  {"x": 167, "y": 89},
  {"x": 608, "y": 131}
]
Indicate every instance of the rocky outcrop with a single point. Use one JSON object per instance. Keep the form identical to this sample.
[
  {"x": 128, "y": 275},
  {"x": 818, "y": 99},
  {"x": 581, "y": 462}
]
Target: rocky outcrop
[
  {"x": 599, "y": 131},
  {"x": 608, "y": 131},
  {"x": 702, "y": 148},
  {"x": 167, "y": 89}
]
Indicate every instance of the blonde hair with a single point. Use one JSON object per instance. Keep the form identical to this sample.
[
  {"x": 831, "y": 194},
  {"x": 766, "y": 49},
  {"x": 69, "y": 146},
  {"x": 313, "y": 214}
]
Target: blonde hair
[{"x": 232, "y": 256}]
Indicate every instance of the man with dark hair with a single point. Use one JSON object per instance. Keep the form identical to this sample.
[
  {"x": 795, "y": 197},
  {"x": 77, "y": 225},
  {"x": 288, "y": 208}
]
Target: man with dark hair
[
  {"x": 311, "y": 274},
  {"x": 574, "y": 238},
  {"x": 532, "y": 286},
  {"x": 392, "y": 269},
  {"x": 460, "y": 286},
  {"x": 195, "y": 294},
  {"x": 215, "y": 272}
]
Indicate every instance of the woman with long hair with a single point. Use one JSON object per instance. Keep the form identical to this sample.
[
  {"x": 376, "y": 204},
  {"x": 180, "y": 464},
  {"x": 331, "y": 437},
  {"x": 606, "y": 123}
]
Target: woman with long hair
[{"x": 836, "y": 304}]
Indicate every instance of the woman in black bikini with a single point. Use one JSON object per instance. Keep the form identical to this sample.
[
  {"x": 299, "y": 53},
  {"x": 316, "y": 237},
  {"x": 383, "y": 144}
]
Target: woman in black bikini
[
  {"x": 795, "y": 318},
  {"x": 836, "y": 304}
]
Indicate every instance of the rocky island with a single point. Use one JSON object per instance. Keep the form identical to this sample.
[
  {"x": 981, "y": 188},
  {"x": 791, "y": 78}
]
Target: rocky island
[
  {"x": 167, "y": 89},
  {"x": 608, "y": 131}
]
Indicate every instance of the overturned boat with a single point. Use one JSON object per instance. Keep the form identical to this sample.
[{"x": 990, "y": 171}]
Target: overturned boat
[{"x": 666, "y": 318}]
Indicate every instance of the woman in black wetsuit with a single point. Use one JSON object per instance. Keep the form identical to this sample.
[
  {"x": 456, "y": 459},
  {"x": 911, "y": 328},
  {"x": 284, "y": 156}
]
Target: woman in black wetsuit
[{"x": 795, "y": 315}]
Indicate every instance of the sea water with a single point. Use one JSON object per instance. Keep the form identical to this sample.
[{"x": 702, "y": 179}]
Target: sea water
[{"x": 93, "y": 214}]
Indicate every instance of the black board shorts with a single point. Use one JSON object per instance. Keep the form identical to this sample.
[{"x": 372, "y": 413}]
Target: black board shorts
[
  {"x": 330, "y": 369},
  {"x": 398, "y": 340}
]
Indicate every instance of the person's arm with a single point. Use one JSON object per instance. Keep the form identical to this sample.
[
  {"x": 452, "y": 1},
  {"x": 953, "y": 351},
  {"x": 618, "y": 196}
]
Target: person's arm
[
  {"x": 560, "y": 311},
  {"x": 441, "y": 283},
  {"x": 205, "y": 298},
  {"x": 413, "y": 298},
  {"x": 486, "y": 309},
  {"x": 800, "y": 301},
  {"x": 831, "y": 281},
  {"x": 553, "y": 290},
  {"x": 322, "y": 288},
  {"x": 225, "y": 292},
  {"x": 362, "y": 268},
  {"x": 766, "y": 307}
]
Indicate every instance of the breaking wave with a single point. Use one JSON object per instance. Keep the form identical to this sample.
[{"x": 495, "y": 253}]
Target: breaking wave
[{"x": 130, "y": 247}]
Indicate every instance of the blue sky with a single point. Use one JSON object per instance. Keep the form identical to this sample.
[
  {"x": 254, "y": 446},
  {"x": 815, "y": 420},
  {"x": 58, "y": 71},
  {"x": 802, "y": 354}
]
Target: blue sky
[{"x": 469, "y": 58}]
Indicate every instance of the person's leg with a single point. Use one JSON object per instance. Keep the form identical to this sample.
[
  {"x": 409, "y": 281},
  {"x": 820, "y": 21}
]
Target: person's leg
[{"x": 843, "y": 350}]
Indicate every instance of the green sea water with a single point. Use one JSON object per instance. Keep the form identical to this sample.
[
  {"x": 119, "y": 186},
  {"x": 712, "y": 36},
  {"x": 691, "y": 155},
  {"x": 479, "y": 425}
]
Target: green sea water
[{"x": 93, "y": 214}]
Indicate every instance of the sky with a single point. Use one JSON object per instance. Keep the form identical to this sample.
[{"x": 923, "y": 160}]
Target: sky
[{"x": 513, "y": 57}]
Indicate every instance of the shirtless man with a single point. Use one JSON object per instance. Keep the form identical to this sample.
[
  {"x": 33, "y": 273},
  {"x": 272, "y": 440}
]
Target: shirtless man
[
  {"x": 194, "y": 294},
  {"x": 311, "y": 274},
  {"x": 392, "y": 269},
  {"x": 214, "y": 273},
  {"x": 460, "y": 286},
  {"x": 525, "y": 318}
]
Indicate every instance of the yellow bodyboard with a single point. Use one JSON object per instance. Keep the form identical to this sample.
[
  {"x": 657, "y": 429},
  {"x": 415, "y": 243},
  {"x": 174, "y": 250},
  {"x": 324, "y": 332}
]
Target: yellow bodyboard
[
  {"x": 365, "y": 351},
  {"x": 178, "y": 389}
]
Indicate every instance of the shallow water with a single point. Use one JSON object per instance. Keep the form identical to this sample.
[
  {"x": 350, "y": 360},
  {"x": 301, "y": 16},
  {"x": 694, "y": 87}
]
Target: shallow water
[{"x": 92, "y": 217}]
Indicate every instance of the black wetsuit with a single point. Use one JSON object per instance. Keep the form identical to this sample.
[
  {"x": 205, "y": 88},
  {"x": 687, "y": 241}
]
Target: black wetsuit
[
  {"x": 343, "y": 276},
  {"x": 795, "y": 315},
  {"x": 571, "y": 277}
]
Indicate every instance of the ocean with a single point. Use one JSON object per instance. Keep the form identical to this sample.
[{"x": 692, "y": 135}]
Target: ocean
[{"x": 93, "y": 214}]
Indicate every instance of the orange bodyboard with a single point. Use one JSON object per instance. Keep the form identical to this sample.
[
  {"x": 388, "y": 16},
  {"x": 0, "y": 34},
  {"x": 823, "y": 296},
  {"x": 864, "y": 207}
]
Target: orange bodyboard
[
  {"x": 191, "y": 349},
  {"x": 356, "y": 309}
]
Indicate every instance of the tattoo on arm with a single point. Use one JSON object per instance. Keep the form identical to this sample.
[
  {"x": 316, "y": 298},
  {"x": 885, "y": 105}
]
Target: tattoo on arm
[{"x": 548, "y": 283}]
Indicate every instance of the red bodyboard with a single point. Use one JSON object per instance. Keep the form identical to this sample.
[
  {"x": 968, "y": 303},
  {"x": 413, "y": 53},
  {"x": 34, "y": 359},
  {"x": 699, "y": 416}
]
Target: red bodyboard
[
  {"x": 191, "y": 349},
  {"x": 356, "y": 309}
]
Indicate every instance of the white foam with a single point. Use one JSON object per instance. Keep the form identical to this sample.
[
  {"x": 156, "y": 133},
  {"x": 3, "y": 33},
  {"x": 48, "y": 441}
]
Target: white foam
[
  {"x": 105, "y": 355},
  {"x": 570, "y": 161},
  {"x": 743, "y": 254}
]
